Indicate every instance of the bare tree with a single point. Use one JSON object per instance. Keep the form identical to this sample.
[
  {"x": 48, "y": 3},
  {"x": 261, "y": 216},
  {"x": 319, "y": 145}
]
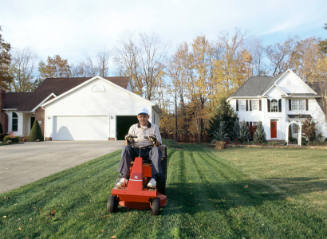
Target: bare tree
[
  {"x": 128, "y": 60},
  {"x": 102, "y": 63},
  {"x": 84, "y": 69},
  {"x": 22, "y": 69},
  {"x": 143, "y": 62},
  {"x": 257, "y": 51},
  {"x": 279, "y": 56}
]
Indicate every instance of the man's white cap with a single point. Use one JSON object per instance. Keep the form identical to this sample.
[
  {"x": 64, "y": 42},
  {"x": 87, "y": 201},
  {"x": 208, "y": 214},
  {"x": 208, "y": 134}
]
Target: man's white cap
[{"x": 143, "y": 111}]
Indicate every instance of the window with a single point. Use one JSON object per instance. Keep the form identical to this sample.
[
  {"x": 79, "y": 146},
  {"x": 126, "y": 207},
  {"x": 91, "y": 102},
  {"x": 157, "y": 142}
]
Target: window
[
  {"x": 14, "y": 122},
  {"x": 255, "y": 104},
  {"x": 242, "y": 104},
  {"x": 298, "y": 104},
  {"x": 273, "y": 106}
]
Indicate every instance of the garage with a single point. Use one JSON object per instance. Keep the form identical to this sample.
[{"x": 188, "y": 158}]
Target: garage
[
  {"x": 123, "y": 124},
  {"x": 91, "y": 127},
  {"x": 96, "y": 109}
]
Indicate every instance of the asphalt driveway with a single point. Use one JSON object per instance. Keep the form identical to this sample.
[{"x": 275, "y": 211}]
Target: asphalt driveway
[{"x": 24, "y": 163}]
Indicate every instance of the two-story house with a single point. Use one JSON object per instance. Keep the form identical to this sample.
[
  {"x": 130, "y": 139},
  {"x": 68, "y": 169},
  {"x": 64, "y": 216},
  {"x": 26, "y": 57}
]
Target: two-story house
[{"x": 280, "y": 103}]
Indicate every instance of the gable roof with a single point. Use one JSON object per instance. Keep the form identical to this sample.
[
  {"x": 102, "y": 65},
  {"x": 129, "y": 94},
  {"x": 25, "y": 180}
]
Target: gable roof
[
  {"x": 27, "y": 101},
  {"x": 89, "y": 81},
  {"x": 255, "y": 86}
]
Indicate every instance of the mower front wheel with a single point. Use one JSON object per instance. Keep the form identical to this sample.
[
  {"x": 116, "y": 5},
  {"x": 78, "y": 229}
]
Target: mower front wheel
[
  {"x": 112, "y": 204},
  {"x": 155, "y": 206}
]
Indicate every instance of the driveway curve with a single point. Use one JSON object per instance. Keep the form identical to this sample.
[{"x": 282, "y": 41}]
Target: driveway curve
[{"x": 21, "y": 164}]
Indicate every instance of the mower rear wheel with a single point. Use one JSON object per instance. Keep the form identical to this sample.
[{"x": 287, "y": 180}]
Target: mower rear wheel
[
  {"x": 155, "y": 206},
  {"x": 112, "y": 204}
]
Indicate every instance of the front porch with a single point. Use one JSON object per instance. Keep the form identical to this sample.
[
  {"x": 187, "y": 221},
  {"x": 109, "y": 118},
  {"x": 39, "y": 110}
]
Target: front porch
[{"x": 20, "y": 123}]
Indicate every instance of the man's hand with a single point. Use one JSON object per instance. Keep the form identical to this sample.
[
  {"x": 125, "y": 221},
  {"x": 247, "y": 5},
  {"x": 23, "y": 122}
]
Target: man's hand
[
  {"x": 129, "y": 139},
  {"x": 154, "y": 140}
]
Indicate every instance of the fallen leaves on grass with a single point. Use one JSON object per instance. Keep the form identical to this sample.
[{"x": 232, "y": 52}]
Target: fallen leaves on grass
[
  {"x": 113, "y": 237},
  {"x": 53, "y": 212}
]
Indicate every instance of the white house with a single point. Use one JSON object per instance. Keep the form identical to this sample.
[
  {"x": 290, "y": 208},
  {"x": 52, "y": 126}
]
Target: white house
[
  {"x": 278, "y": 102},
  {"x": 76, "y": 109}
]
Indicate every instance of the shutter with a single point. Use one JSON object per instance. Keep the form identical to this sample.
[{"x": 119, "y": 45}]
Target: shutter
[
  {"x": 306, "y": 104},
  {"x": 247, "y": 105},
  {"x": 236, "y": 105},
  {"x": 268, "y": 105},
  {"x": 250, "y": 105},
  {"x": 289, "y": 105},
  {"x": 260, "y": 106},
  {"x": 280, "y": 105}
]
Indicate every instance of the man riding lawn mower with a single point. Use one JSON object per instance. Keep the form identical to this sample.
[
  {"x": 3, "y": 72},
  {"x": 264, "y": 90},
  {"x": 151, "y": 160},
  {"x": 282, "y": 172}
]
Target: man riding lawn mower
[{"x": 143, "y": 169}]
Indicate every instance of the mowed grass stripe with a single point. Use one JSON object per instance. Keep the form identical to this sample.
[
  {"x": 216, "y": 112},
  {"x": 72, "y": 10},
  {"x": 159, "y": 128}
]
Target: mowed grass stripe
[
  {"x": 273, "y": 206},
  {"x": 212, "y": 222},
  {"x": 235, "y": 202}
]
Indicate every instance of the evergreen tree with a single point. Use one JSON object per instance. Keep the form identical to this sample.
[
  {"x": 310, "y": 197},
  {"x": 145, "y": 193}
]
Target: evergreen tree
[
  {"x": 222, "y": 123},
  {"x": 259, "y": 136},
  {"x": 236, "y": 129},
  {"x": 220, "y": 134},
  {"x": 244, "y": 132},
  {"x": 36, "y": 133}
]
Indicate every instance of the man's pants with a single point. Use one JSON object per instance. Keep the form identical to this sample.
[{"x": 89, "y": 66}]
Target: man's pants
[{"x": 129, "y": 153}]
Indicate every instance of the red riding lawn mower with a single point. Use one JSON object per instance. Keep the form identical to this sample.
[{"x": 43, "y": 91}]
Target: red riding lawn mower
[{"x": 135, "y": 194}]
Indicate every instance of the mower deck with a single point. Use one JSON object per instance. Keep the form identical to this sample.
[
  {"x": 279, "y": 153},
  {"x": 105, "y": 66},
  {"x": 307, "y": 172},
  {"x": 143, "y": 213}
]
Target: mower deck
[{"x": 138, "y": 199}]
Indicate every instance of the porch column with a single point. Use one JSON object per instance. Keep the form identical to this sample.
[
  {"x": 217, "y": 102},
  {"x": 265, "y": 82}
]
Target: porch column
[
  {"x": 299, "y": 137},
  {"x": 287, "y": 128}
]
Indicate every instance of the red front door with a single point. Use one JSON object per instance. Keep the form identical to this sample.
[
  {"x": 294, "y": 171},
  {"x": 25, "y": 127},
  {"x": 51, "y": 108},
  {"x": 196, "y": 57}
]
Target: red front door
[{"x": 273, "y": 129}]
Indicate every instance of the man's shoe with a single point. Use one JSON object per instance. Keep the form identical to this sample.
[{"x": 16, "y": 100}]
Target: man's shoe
[
  {"x": 122, "y": 183},
  {"x": 152, "y": 183}
]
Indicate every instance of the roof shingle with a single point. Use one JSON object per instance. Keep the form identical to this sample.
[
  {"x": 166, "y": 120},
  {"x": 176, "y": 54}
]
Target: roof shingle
[
  {"x": 255, "y": 86},
  {"x": 27, "y": 101}
]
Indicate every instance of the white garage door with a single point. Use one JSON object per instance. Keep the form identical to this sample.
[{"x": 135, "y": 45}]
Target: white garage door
[{"x": 81, "y": 128}]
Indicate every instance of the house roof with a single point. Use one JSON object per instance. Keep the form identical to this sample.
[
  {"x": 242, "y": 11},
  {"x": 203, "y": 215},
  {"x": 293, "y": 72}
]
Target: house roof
[
  {"x": 255, "y": 86},
  {"x": 27, "y": 101}
]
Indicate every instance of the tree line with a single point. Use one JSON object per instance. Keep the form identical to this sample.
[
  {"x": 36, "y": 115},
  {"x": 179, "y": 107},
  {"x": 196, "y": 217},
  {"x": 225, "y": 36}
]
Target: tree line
[{"x": 187, "y": 83}]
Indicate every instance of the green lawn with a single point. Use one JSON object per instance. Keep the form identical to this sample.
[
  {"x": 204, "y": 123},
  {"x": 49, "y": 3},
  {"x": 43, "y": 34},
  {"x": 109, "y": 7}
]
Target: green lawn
[{"x": 235, "y": 193}]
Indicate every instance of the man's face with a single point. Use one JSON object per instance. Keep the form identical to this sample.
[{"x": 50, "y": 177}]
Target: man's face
[{"x": 143, "y": 119}]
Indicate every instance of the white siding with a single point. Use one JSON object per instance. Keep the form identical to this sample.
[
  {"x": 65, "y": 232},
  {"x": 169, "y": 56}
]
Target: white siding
[
  {"x": 98, "y": 98},
  {"x": 289, "y": 83}
]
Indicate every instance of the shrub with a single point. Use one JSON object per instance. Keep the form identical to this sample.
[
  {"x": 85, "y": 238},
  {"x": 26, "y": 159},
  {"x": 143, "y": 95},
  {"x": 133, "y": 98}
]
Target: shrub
[
  {"x": 36, "y": 133},
  {"x": 309, "y": 129},
  {"x": 236, "y": 129},
  {"x": 244, "y": 132},
  {"x": 259, "y": 136},
  {"x": 221, "y": 125},
  {"x": 10, "y": 139},
  {"x": 220, "y": 133}
]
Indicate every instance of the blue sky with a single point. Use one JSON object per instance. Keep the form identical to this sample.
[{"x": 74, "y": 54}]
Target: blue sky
[{"x": 76, "y": 29}]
